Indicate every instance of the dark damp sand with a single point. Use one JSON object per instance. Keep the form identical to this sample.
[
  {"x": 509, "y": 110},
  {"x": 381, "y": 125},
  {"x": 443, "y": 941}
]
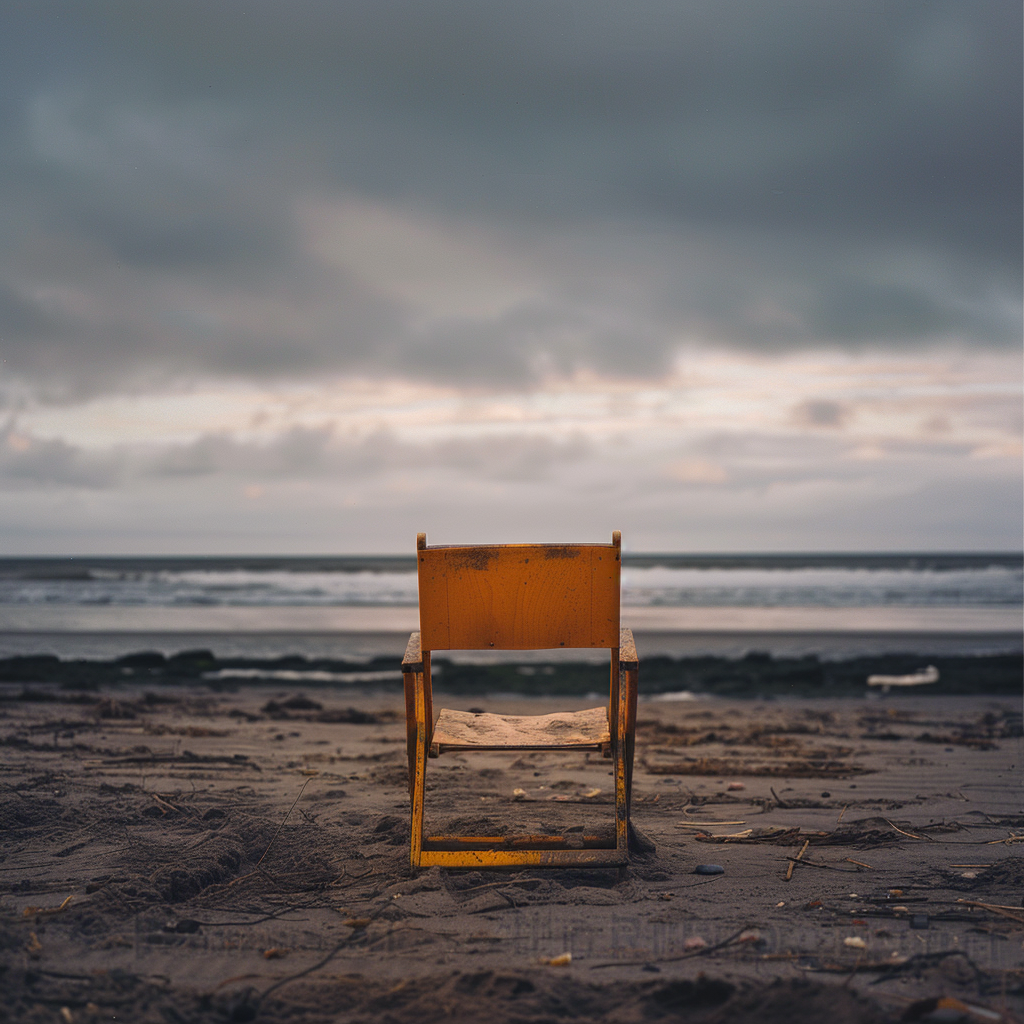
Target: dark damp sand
[{"x": 159, "y": 822}]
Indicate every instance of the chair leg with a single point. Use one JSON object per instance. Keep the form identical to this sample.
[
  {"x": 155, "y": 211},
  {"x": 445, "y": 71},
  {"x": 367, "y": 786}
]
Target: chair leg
[
  {"x": 409, "y": 683},
  {"x": 621, "y": 781},
  {"x": 419, "y": 779},
  {"x": 631, "y": 687}
]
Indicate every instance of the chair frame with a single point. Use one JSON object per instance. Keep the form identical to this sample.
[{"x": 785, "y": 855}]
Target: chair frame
[{"x": 529, "y": 851}]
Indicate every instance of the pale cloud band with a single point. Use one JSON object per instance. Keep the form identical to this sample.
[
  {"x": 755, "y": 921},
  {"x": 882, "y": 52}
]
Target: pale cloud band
[{"x": 818, "y": 449}]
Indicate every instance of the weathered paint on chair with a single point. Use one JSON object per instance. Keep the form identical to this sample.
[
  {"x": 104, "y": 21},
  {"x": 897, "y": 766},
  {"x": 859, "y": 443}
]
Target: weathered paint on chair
[{"x": 519, "y": 597}]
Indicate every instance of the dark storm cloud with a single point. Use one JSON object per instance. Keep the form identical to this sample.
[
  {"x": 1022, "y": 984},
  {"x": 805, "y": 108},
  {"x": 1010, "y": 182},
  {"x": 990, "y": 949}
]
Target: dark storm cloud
[{"x": 747, "y": 173}]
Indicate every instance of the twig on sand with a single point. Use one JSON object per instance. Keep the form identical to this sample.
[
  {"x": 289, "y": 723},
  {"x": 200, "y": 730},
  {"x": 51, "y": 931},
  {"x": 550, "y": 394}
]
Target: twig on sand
[
  {"x": 818, "y": 864},
  {"x": 1013, "y": 913},
  {"x": 41, "y": 911},
  {"x": 327, "y": 959},
  {"x": 1013, "y": 837},
  {"x": 909, "y": 835},
  {"x": 887, "y": 968},
  {"x": 495, "y": 885},
  {"x": 259, "y": 920},
  {"x": 703, "y": 824},
  {"x": 216, "y": 889},
  {"x": 284, "y": 819},
  {"x": 703, "y": 951},
  {"x": 792, "y": 863},
  {"x": 859, "y": 863},
  {"x": 165, "y": 804},
  {"x": 924, "y": 959}
]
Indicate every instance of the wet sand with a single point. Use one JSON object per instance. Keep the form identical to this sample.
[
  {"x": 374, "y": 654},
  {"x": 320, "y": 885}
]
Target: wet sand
[{"x": 184, "y": 854}]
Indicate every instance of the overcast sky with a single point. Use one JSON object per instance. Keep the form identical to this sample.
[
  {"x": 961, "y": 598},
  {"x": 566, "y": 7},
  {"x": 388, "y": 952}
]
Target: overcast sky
[{"x": 312, "y": 276}]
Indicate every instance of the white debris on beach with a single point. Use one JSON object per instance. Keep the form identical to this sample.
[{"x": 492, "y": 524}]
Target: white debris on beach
[{"x": 918, "y": 678}]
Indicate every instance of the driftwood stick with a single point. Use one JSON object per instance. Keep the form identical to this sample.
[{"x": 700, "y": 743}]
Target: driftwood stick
[
  {"x": 792, "y": 863},
  {"x": 909, "y": 835},
  {"x": 1013, "y": 913},
  {"x": 817, "y": 864},
  {"x": 703, "y": 824}
]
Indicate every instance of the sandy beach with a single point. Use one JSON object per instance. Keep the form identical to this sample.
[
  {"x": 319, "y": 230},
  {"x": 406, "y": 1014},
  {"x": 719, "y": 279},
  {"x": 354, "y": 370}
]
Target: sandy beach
[{"x": 183, "y": 854}]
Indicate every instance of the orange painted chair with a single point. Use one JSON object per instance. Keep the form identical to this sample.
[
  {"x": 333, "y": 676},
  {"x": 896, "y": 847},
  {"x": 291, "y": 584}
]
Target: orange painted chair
[{"x": 515, "y": 597}]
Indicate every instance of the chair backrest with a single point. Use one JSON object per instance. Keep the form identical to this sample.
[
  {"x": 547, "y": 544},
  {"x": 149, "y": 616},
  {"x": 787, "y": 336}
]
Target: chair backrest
[{"x": 519, "y": 596}]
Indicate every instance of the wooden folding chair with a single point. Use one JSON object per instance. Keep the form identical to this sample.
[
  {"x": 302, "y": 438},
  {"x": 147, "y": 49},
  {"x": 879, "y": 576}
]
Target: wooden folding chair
[{"x": 517, "y": 597}]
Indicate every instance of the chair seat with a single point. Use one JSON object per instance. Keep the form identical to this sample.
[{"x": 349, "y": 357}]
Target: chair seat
[{"x": 575, "y": 730}]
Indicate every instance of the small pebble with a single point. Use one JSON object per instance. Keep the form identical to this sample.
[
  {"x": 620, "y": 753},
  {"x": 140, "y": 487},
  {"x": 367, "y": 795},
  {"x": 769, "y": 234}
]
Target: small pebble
[
  {"x": 919, "y": 921},
  {"x": 855, "y": 942},
  {"x": 735, "y": 786},
  {"x": 709, "y": 869},
  {"x": 826, "y": 794},
  {"x": 969, "y": 874},
  {"x": 695, "y": 942},
  {"x": 651, "y": 968}
]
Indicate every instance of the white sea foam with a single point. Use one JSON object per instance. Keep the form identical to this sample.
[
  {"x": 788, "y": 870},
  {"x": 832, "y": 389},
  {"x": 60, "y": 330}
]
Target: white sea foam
[
  {"x": 848, "y": 584},
  {"x": 831, "y": 587}
]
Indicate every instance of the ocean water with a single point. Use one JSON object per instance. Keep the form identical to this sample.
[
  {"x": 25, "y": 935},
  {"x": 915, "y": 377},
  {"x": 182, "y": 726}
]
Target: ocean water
[
  {"x": 832, "y": 605},
  {"x": 749, "y": 581}
]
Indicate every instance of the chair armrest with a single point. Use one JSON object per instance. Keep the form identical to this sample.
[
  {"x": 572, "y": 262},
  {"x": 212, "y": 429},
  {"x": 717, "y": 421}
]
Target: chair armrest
[
  {"x": 627, "y": 650},
  {"x": 413, "y": 660}
]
